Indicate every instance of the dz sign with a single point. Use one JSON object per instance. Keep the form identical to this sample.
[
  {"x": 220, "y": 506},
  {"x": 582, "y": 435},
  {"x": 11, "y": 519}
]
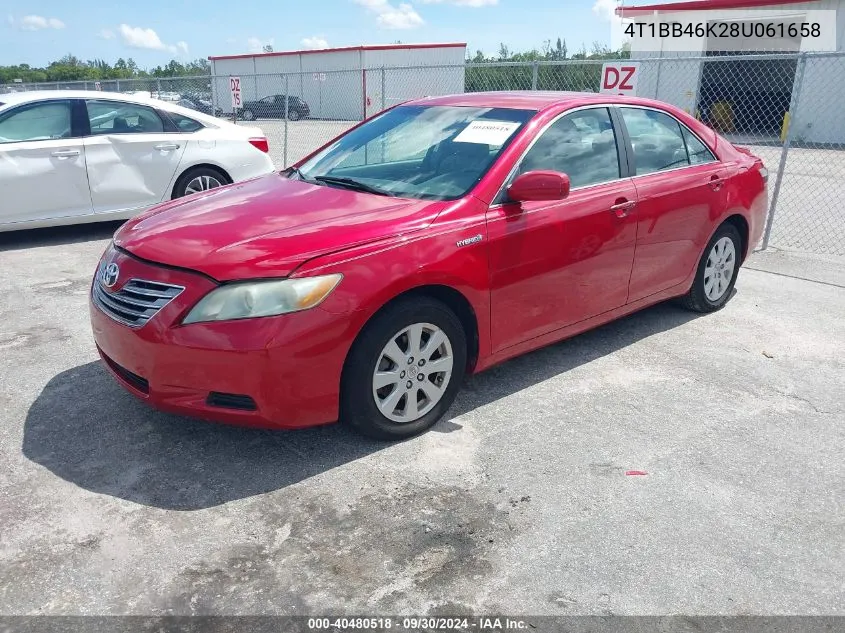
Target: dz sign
[
  {"x": 620, "y": 78},
  {"x": 235, "y": 91}
]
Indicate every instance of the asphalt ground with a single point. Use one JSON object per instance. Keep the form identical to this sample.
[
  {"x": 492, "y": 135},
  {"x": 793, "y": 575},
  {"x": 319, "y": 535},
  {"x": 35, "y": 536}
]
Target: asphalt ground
[{"x": 518, "y": 502}]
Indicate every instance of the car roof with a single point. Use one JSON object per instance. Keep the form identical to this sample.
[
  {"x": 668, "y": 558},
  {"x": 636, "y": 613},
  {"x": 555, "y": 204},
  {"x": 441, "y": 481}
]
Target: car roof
[
  {"x": 530, "y": 99},
  {"x": 35, "y": 95},
  {"x": 16, "y": 98}
]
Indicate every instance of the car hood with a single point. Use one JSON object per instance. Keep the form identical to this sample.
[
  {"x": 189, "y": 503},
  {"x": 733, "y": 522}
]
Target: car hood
[{"x": 267, "y": 227}]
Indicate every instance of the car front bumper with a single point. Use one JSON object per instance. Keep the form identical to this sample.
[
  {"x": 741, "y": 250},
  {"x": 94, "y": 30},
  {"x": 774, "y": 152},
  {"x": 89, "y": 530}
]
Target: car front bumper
[{"x": 273, "y": 372}]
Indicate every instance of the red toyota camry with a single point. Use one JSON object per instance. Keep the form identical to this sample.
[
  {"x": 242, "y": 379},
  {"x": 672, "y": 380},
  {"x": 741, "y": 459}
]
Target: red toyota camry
[{"x": 436, "y": 239}]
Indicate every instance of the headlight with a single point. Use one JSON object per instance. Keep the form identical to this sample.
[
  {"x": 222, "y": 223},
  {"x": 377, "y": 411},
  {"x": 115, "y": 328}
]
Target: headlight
[{"x": 262, "y": 298}]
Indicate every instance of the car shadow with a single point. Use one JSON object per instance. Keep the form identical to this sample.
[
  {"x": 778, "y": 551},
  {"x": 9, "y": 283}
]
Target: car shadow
[
  {"x": 56, "y": 235},
  {"x": 87, "y": 430}
]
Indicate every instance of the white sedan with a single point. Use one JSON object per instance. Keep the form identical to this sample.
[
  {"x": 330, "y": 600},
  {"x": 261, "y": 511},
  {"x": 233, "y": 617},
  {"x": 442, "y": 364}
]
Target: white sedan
[{"x": 69, "y": 157}]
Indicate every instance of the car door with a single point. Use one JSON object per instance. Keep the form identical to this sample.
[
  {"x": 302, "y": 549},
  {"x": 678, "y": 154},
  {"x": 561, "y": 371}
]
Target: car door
[
  {"x": 131, "y": 157},
  {"x": 279, "y": 106},
  {"x": 265, "y": 107},
  {"x": 42, "y": 163},
  {"x": 556, "y": 263},
  {"x": 679, "y": 195}
]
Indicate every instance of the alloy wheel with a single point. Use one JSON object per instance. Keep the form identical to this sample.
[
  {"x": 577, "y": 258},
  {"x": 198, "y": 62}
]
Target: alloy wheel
[
  {"x": 719, "y": 269},
  {"x": 201, "y": 183},
  {"x": 412, "y": 372}
]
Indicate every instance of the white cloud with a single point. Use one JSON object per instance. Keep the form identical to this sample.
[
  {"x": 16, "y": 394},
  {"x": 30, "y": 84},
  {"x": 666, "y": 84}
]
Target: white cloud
[
  {"x": 256, "y": 44},
  {"x": 606, "y": 10},
  {"x": 107, "y": 34},
  {"x": 36, "y": 23},
  {"x": 464, "y": 3},
  {"x": 389, "y": 16},
  {"x": 139, "y": 37},
  {"x": 315, "y": 42}
]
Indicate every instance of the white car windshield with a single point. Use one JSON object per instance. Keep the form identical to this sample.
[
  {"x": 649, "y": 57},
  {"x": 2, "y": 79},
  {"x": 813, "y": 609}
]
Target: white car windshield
[{"x": 426, "y": 152}]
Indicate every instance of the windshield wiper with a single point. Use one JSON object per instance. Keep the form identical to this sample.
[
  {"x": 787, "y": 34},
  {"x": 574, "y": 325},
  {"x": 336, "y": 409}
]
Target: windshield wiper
[{"x": 351, "y": 183}]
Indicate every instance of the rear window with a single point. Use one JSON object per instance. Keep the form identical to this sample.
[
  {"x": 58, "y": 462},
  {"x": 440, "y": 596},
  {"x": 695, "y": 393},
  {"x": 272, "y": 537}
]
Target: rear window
[{"x": 184, "y": 123}]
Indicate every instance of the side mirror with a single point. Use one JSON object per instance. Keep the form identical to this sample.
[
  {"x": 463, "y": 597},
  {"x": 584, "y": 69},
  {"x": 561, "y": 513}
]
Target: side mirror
[{"x": 539, "y": 185}]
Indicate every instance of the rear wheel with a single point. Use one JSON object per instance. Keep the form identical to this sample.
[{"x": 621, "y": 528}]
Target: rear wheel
[
  {"x": 198, "y": 180},
  {"x": 294, "y": 115},
  {"x": 404, "y": 371},
  {"x": 717, "y": 271}
]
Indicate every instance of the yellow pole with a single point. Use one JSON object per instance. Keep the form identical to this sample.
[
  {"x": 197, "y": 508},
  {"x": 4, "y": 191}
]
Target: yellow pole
[{"x": 785, "y": 127}]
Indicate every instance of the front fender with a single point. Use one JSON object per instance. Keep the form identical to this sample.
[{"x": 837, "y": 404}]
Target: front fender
[{"x": 374, "y": 274}]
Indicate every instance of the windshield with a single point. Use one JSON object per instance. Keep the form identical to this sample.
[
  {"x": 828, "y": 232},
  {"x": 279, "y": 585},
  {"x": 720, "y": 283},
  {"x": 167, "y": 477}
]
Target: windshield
[{"x": 426, "y": 152}]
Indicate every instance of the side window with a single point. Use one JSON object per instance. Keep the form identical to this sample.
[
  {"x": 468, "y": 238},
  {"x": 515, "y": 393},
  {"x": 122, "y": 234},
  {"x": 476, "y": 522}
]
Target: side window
[
  {"x": 185, "y": 124},
  {"x": 657, "y": 140},
  {"x": 36, "y": 122},
  {"x": 698, "y": 151},
  {"x": 267, "y": 100},
  {"x": 118, "y": 117},
  {"x": 581, "y": 145}
]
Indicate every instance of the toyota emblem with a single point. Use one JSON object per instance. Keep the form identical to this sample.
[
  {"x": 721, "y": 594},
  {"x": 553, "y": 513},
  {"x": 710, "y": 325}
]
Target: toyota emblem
[{"x": 110, "y": 275}]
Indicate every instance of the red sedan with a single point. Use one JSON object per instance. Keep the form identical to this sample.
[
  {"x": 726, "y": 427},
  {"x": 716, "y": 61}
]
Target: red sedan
[{"x": 436, "y": 239}]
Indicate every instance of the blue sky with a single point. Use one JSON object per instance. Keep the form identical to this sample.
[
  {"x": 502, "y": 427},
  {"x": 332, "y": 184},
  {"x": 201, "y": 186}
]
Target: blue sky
[{"x": 154, "y": 31}]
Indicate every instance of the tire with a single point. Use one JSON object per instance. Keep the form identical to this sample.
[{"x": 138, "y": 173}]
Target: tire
[
  {"x": 248, "y": 115},
  {"x": 294, "y": 115},
  {"x": 723, "y": 250},
  {"x": 359, "y": 392},
  {"x": 207, "y": 177}
]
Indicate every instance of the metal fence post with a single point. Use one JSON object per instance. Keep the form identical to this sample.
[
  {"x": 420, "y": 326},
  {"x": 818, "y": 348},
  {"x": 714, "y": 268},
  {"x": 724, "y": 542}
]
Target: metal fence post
[
  {"x": 117, "y": 83},
  {"x": 158, "y": 87},
  {"x": 657, "y": 79},
  {"x": 287, "y": 101},
  {"x": 534, "y": 67},
  {"x": 383, "y": 100},
  {"x": 790, "y": 134}
]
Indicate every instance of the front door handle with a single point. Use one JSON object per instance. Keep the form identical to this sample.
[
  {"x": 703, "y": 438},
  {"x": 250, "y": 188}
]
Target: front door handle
[
  {"x": 165, "y": 147},
  {"x": 622, "y": 208},
  {"x": 65, "y": 153},
  {"x": 716, "y": 182}
]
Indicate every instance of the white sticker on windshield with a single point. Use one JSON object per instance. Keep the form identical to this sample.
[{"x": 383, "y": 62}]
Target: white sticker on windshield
[{"x": 486, "y": 132}]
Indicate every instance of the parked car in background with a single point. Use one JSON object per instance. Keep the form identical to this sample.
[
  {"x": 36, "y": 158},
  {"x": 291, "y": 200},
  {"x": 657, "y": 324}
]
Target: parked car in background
[
  {"x": 72, "y": 156},
  {"x": 169, "y": 96},
  {"x": 206, "y": 107},
  {"x": 273, "y": 107},
  {"x": 436, "y": 239}
]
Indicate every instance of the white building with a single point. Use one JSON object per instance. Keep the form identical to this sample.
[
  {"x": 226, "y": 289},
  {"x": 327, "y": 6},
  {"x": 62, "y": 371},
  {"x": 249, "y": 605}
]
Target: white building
[
  {"x": 758, "y": 92},
  {"x": 344, "y": 83}
]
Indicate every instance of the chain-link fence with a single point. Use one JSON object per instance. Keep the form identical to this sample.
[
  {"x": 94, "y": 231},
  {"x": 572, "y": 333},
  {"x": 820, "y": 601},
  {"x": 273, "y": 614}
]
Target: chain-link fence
[{"x": 784, "y": 107}]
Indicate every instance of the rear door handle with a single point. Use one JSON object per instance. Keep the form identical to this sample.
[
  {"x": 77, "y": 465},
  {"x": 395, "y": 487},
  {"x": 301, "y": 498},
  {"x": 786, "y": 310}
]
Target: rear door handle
[
  {"x": 716, "y": 182},
  {"x": 65, "y": 153},
  {"x": 621, "y": 209},
  {"x": 167, "y": 146}
]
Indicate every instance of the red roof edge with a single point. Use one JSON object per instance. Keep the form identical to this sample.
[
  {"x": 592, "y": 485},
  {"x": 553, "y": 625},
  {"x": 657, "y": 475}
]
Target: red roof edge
[
  {"x": 704, "y": 5},
  {"x": 374, "y": 47}
]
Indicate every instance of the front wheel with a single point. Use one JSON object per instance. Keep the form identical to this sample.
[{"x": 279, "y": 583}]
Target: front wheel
[
  {"x": 404, "y": 371},
  {"x": 248, "y": 115},
  {"x": 717, "y": 271}
]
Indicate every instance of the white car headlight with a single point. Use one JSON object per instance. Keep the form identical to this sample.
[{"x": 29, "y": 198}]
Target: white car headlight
[{"x": 262, "y": 298}]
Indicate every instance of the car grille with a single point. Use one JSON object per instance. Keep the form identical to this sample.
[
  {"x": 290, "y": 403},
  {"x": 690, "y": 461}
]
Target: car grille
[
  {"x": 134, "y": 380},
  {"x": 136, "y": 302},
  {"x": 230, "y": 401}
]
